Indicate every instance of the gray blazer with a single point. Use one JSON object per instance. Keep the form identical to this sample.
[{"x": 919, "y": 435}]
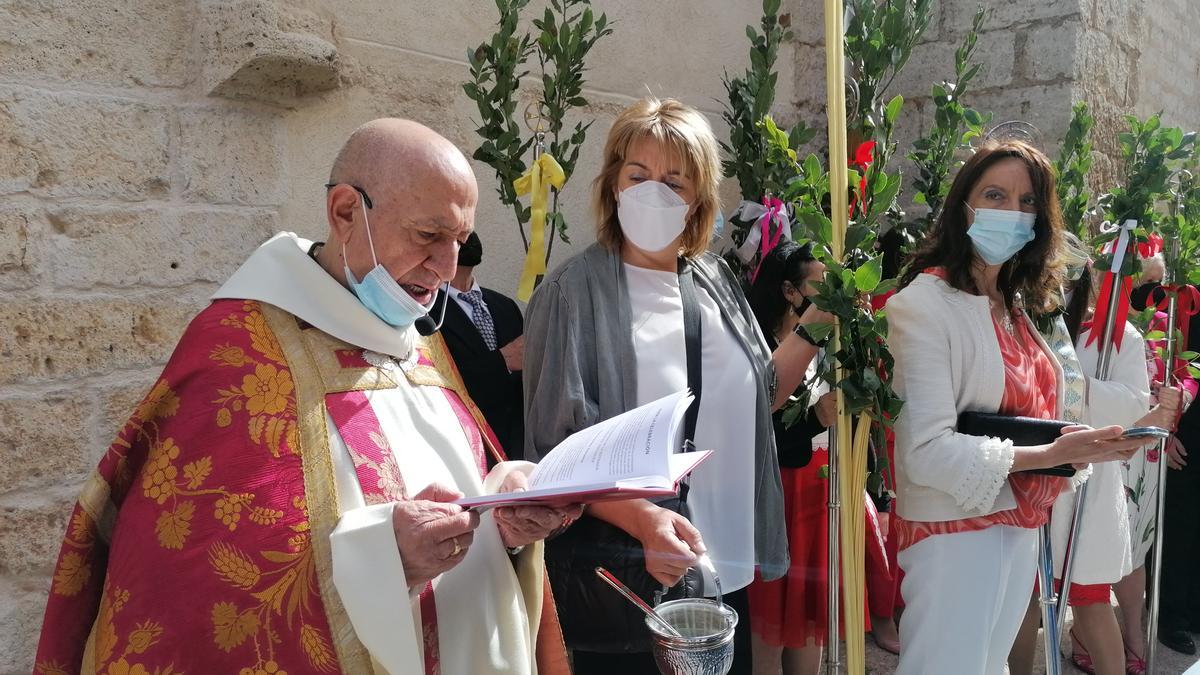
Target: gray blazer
[{"x": 580, "y": 369}]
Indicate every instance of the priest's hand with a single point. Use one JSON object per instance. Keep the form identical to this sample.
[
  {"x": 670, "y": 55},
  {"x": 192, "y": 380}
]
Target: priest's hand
[
  {"x": 521, "y": 525},
  {"x": 432, "y": 535}
]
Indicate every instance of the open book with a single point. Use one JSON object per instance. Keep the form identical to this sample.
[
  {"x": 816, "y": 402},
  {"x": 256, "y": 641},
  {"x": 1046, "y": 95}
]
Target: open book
[{"x": 627, "y": 456}]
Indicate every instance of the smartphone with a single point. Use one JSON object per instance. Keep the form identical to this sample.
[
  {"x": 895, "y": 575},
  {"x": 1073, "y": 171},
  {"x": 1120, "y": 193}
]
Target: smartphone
[{"x": 1156, "y": 433}]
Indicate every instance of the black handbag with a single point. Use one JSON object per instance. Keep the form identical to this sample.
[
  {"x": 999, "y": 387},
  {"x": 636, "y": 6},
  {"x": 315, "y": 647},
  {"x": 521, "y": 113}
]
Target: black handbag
[
  {"x": 1019, "y": 430},
  {"x": 593, "y": 616}
]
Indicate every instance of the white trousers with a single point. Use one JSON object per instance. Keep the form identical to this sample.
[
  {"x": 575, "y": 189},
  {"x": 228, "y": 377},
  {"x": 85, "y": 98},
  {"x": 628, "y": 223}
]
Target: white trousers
[{"x": 965, "y": 595}]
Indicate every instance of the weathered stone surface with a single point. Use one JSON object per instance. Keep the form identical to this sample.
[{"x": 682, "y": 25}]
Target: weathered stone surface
[
  {"x": 1047, "y": 52},
  {"x": 94, "y": 41},
  {"x": 933, "y": 62},
  {"x": 1106, "y": 70},
  {"x": 124, "y": 247},
  {"x": 231, "y": 156},
  {"x": 267, "y": 50},
  {"x": 68, "y": 145},
  {"x": 34, "y": 453},
  {"x": 21, "y": 621},
  {"x": 392, "y": 23},
  {"x": 958, "y": 15},
  {"x": 115, "y": 405},
  {"x": 31, "y": 530},
  {"x": 47, "y": 338},
  {"x": 1125, "y": 21},
  {"x": 1168, "y": 69},
  {"x": 1047, "y": 107},
  {"x": 19, "y": 227}
]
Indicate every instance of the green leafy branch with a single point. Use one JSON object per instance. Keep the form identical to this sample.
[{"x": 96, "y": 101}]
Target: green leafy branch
[
  {"x": 565, "y": 35},
  {"x": 749, "y": 100},
  {"x": 1072, "y": 167},
  {"x": 879, "y": 40},
  {"x": 954, "y": 125},
  {"x": 1150, "y": 152},
  {"x": 496, "y": 72},
  {"x": 846, "y": 288}
]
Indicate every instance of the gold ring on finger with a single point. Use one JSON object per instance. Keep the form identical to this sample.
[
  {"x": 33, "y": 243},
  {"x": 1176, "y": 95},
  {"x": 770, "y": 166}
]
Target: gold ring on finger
[{"x": 457, "y": 548}]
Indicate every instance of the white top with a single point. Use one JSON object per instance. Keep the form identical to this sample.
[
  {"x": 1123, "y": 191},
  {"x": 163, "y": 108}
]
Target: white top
[
  {"x": 479, "y": 600},
  {"x": 1103, "y": 540},
  {"x": 721, "y": 498}
]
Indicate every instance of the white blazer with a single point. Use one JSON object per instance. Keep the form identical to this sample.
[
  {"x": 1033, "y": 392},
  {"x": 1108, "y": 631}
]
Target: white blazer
[{"x": 947, "y": 362}]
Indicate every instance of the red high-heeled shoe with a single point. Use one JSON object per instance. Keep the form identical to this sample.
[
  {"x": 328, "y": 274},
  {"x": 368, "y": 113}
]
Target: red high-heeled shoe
[
  {"x": 1080, "y": 656},
  {"x": 1134, "y": 664}
]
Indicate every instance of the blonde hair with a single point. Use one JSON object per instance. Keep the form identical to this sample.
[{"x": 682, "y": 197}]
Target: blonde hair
[{"x": 681, "y": 130}]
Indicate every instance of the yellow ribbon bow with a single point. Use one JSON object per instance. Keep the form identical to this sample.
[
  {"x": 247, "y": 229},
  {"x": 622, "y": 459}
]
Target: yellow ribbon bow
[{"x": 537, "y": 180}]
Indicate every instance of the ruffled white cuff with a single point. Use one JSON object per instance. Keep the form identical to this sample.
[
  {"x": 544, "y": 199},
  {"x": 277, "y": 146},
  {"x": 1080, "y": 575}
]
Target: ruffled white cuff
[
  {"x": 1081, "y": 476},
  {"x": 985, "y": 476}
]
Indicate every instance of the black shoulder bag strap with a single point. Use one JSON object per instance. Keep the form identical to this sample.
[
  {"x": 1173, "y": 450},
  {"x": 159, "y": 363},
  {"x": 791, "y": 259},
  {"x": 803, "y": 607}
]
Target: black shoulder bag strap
[{"x": 692, "y": 342}]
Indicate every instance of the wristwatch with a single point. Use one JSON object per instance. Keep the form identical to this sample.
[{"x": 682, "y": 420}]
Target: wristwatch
[
  {"x": 802, "y": 331},
  {"x": 514, "y": 550}
]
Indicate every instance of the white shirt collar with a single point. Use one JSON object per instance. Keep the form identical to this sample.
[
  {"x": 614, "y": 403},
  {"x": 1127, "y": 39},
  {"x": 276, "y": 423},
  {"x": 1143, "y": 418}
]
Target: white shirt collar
[
  {"x": 281, "y": 273},
  {"x": 454, "y": 292}
]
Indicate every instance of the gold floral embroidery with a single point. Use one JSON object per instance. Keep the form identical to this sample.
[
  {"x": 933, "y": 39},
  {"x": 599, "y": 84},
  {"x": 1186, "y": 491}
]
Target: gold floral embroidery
[
  {"x": 390, "y": 480},
  {"x": 267, "y": 394},
  {"x": 50, "y": 668},
  {"x": 234, "y": 566},
  {"x": 319, "y": 653},
  {"x": 282, "y": 590},
  {"x": 173, "y": 527},
  {"x": 72, "y": 575},
  {"x": 143, "y": 636},
  {"x": 232, "y": 626}
]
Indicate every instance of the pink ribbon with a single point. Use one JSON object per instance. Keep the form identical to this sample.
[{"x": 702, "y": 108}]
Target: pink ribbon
[{"x": 774, "y": 207}]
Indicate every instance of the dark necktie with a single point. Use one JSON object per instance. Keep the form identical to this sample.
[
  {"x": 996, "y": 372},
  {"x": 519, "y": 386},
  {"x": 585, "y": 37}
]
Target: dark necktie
[{"x": 481, "y": 317}]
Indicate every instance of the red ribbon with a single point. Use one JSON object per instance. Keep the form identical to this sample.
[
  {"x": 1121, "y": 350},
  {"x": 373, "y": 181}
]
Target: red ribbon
[
  {"x": 1101, "y": 315},
  {"x": 863, "y": 156},
  {"x": 774, "y": 207},
  {"x": 1187, "y": 305}
]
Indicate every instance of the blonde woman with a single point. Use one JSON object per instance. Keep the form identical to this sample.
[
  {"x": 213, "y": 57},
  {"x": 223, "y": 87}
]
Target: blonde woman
[{"x": 605, "y": 333}]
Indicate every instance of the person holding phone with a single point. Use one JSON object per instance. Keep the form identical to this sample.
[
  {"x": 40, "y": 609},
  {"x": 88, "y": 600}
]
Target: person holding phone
[{"x": 960, "y": 332}]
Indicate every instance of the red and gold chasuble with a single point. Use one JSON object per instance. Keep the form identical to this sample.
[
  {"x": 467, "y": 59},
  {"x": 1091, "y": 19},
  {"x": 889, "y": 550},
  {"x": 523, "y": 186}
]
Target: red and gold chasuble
[{"x": 201, "y": 542}]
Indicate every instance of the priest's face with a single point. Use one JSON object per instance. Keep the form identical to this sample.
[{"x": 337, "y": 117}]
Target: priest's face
[{"x": 416, "y": 228}]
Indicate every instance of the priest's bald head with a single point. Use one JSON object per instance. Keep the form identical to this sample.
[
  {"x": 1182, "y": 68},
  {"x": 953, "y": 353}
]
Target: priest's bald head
[{"x": 416, "y": 192}]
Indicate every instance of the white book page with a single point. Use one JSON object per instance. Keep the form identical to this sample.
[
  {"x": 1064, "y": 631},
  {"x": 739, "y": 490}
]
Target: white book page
[{"x": 636, "y": 443}]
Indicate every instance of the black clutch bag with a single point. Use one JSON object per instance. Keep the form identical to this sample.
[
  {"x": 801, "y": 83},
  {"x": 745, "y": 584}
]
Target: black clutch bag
[{"x": 1019, "y": 430}]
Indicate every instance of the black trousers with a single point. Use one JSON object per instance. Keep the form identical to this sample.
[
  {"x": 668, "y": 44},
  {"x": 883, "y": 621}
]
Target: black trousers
[
  {"x": 642, "y": 663},
  {"x": 1180, "y": 608}
]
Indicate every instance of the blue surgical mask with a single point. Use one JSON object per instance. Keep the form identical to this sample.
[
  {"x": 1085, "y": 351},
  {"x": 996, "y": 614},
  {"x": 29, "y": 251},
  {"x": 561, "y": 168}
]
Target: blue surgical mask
[
  {"x": 380, "y": 293},
  {"x": 998, "y": 234}
]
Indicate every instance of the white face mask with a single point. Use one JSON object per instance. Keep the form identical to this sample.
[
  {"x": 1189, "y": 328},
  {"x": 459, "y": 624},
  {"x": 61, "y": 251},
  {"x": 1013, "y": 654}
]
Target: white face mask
[{"x": 651, "y": 215}]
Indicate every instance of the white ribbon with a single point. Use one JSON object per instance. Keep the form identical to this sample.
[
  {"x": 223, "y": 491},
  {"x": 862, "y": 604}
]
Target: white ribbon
[
  {"x": 752, "y": 212},
  {"x": 1122, "y": 243}
]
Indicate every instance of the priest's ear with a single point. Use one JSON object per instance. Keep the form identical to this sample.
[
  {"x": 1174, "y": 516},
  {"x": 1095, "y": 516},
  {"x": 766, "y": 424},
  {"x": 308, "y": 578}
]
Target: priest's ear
[{"x": 343, "y": 208}]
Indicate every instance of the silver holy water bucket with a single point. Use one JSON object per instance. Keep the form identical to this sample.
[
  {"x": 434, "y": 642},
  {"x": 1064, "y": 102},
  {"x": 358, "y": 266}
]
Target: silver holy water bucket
[{"x": 706, "y": 647}]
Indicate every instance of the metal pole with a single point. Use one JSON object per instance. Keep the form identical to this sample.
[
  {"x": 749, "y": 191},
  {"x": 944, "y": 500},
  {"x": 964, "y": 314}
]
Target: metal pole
[
  {"x": 833, "y": 651},
  {"x": 1047, "y": 601},
  {"x": 1103, "y": 370},
  {"x": 1161, "y": 506}
]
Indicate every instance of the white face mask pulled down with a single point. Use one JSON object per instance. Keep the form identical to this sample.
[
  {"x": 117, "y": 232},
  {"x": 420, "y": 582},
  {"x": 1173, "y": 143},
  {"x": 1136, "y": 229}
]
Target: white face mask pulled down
[{"x": 651, "y": 215}]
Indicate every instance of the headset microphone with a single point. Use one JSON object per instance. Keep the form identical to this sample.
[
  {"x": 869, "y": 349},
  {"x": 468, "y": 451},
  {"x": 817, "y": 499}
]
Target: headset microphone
[{"x": 426, "y": 325}]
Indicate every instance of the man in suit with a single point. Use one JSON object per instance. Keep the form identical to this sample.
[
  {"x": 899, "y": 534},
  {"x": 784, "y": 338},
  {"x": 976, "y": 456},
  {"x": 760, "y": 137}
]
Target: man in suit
[{"x": 483, "y": 330}]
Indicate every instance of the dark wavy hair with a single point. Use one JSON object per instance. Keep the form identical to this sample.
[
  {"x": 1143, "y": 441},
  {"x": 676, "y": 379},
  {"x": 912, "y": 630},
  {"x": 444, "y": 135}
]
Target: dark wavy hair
[
  {"x": 1036, "y": 271},
  {"x": 788, "y": 261}
]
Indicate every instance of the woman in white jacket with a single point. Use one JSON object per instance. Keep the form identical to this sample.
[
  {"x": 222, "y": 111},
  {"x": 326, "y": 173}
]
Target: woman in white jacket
[{"x": 967, "y": 516}]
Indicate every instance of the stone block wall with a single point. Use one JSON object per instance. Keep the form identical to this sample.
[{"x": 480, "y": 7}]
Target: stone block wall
[{"x": 150, "y": 145}]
